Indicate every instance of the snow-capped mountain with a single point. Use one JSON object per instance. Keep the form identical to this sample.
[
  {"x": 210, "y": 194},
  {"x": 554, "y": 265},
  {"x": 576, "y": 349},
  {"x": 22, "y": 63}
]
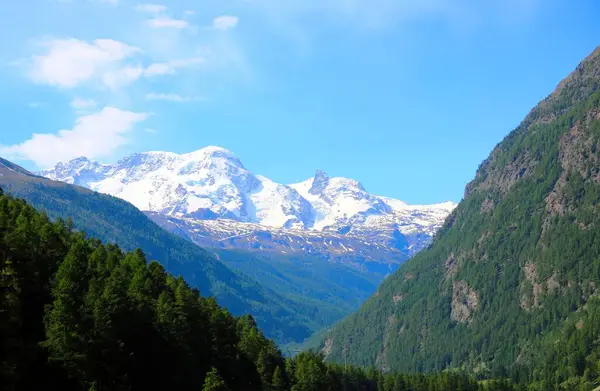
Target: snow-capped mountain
[{"x": 210, "y": 197}]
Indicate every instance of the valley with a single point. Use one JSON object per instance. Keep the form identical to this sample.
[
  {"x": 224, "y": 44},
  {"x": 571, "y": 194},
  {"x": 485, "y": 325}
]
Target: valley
[
  {"x": 267, "y": 195},
  {"x": 325, "y": 242}
]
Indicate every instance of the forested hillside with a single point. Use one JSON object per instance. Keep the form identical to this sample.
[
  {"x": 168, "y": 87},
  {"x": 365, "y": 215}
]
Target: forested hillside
[
  {"x": 76, "y": 314},
  {"x": 113, "y": 220},
  {"x": 509, "y": 286}
]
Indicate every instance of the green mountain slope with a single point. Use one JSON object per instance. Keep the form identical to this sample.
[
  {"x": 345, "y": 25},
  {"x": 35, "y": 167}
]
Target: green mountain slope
[
  {"x": 511, "y": 279},
  {"x": 115, "y": 221},
  {"x": 332, "y": 290},
  {"x": 336, "y": 289}
]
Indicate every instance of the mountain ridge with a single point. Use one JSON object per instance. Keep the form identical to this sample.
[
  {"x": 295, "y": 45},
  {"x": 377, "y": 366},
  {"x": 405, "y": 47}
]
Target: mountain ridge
[
  {"x": 212, "y": 189},
  {"x": 509, "y": 283},
  {"x": 88, "y": 173}
]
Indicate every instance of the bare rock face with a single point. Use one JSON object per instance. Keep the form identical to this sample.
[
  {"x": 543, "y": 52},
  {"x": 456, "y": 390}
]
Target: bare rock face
[
  {"x": 531, "y": 298},
  {"x": 487, "y": 206},
  {"x": 398, "y": 298},
  {"x": 450, "y": 266},
  {"x": 536, "y": 286},
  {"x": 381, "y": 360},
  {"x": 578, "y": 154},
  {"x": 464, "y": 302},
  {"x": 327, "y": 347}
]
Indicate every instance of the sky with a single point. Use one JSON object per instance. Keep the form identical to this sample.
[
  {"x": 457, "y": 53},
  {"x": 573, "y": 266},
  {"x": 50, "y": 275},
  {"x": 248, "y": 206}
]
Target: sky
[{"x": 406, "y": 96}]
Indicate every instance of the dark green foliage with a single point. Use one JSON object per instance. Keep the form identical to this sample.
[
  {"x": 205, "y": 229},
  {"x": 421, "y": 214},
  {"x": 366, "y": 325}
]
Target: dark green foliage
[
  {"x": 112, "y": 220},
  {"x": 501, "y": 290},
  {"x": 310, "y": 373},
  {"x": 76, "y": 314},
  {"x": 213, "y": 382}
]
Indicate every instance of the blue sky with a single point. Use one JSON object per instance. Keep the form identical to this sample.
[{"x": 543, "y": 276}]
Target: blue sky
[{"x": 408, "y": 97}]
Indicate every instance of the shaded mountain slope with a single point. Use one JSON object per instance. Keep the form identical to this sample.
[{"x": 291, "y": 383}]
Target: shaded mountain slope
[{"x": 510, "y": 281}]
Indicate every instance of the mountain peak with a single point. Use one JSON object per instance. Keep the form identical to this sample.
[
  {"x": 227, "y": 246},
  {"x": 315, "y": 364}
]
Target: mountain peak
[
  {"x": 319, "y": 183},
  {"x": 212, "y": 180},
  {"x": 321, "y": 174},
  {"x": 211, "y": 151},
  {"x": 81, "y": 159},
  {"x": 214, "y": 155},
  {"x": 78, "y": 161}
]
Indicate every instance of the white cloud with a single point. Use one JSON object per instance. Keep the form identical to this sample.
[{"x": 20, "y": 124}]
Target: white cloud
[
  {"x": 71, "y": 62},
  {"x": 95, "y": 135},
  {"x": 166, "y": 22},
  {"x": 225, "y": 22},
  {"x": 158, "y": 69},
  {"x": 151, "y": 8},
  {"x": 118, "y": 78},
  {"x": 82, "y": 104},
  {"x": 168, "y": 97},
  {"x": 166, "y": 68}
]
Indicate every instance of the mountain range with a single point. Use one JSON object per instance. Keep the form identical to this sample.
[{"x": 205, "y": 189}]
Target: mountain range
[
  {"x": 322, "y": 262},
  {"x": 209, "y": 197}
]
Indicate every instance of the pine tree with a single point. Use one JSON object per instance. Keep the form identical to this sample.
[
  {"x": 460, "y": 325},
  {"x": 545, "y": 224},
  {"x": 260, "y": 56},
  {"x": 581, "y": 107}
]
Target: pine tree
[
  {"x": 64, "y": 327},
  {"x": 278, "y": 382},
  {"x": 10, "y": 324},
  {"x": 214, "y": 382}
]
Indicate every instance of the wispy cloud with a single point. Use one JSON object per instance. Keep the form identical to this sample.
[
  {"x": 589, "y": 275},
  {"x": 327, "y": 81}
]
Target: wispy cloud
[
  {"x": 167, "y": 68},
  {"x": 166, "y": 22},
  {"x": 119, "y": 78},
  {"x": 159, "y": 69},
  {"x": 169, "y": 97},
  {"x": 225, "y": 22},
  {"x": 95, "y": 136}
]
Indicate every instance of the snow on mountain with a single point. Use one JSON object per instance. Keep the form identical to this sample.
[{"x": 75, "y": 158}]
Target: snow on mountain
[
  {"x": 338, "y": 200},
  {"x": 210, "y": 192}
]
